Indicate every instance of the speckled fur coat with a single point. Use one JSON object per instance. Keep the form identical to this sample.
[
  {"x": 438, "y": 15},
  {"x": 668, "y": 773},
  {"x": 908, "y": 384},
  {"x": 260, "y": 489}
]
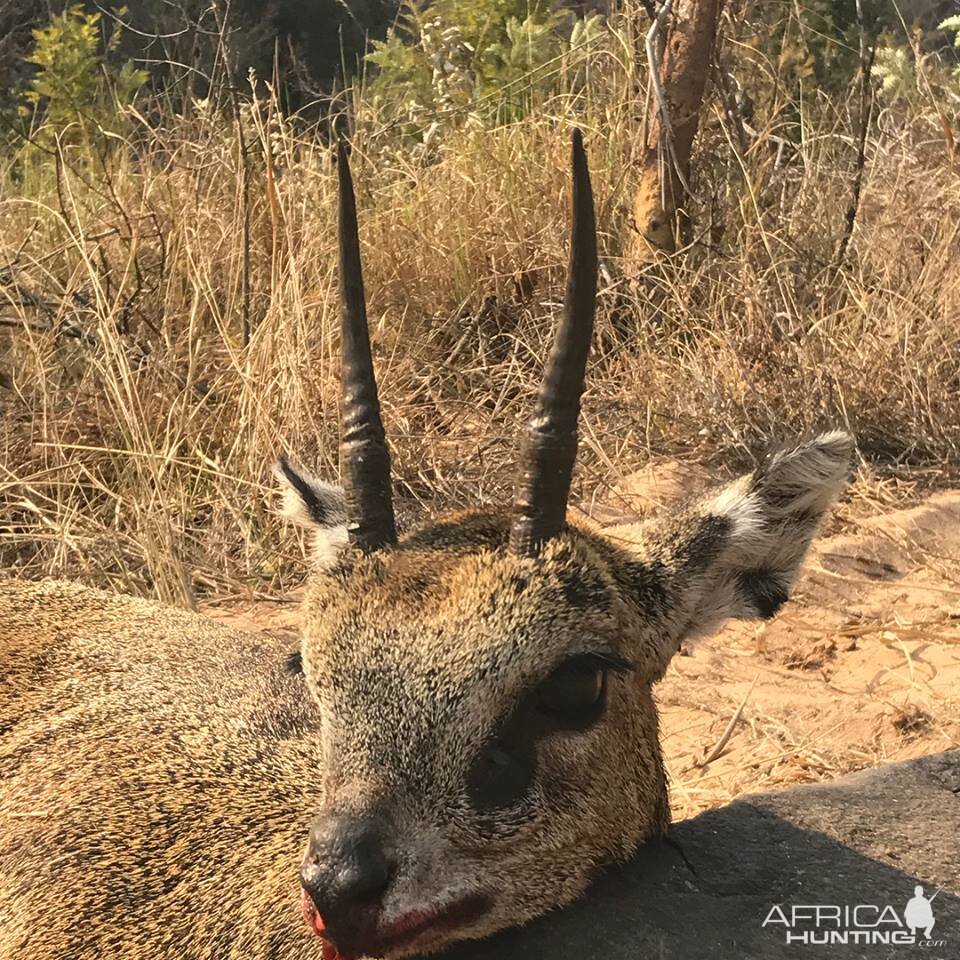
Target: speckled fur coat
[{"x": 158, "y": 772}]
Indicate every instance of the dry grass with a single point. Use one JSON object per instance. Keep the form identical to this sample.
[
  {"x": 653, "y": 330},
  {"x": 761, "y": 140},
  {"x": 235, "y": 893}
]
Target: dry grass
[{"x": 137, "y": 429}]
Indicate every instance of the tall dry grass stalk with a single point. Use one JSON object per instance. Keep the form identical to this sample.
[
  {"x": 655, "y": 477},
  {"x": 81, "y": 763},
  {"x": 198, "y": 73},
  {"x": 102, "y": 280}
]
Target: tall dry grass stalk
[{"x": 137, "y": 431}]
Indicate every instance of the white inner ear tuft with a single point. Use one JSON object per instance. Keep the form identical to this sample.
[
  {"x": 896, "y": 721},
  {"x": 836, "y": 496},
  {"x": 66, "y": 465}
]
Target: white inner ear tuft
[
  {"x": 329, "y": 506},
  {"x": 743, "y": 510},
  {"x": 319, "y": 507},
  {"x": 292, "y": 508}
]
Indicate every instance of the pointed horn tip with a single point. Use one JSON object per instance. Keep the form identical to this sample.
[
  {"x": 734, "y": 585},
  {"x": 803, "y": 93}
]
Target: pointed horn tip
[
  {"x": 578, "y": 150},
  {"x": 343, "y": 160},
  {"x": 581, "y": 169}
]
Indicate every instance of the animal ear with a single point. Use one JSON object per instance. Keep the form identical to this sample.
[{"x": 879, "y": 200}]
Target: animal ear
[
  {"x": 735, "y": 553},
  {"x": 319, "y": 507}
]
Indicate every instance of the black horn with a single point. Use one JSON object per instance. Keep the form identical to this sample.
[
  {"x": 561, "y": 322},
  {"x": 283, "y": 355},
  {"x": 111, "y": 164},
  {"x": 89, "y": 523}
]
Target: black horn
[
  {"x": 364, "y": 457},
  {"x": 550, "y": 440}
]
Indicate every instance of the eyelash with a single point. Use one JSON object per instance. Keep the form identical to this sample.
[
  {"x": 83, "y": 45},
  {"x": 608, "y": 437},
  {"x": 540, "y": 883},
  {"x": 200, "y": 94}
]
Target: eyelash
[{"x": 608, "y": 661}]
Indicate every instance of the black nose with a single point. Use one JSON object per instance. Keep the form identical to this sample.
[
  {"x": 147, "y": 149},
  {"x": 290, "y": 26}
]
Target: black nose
[{"x": 346, "y": 868}]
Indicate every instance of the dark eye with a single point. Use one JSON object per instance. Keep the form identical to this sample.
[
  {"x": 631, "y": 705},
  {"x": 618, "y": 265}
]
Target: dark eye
[
  {"x": 500, "y": 776},
  {"x": 574, "y": 692}
]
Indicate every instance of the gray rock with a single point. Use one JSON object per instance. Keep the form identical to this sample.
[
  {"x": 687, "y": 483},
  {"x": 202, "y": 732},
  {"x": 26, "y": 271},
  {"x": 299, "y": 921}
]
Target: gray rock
[{"x": 705, "y": 889}]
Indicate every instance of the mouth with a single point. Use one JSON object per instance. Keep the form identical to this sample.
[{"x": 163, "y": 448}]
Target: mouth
[
  {"x": 430, "y": 926},
  {"x": 315, "y": 922}
]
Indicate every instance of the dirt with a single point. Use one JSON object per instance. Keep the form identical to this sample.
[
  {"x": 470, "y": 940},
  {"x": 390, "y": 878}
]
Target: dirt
[{"x": 861, "y": 668}]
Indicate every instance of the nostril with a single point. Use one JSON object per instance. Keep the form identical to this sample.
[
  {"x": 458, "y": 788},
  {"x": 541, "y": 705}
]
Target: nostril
[
  {"x": 366, "y": 872},
  {"x": 346, "y": 866},
  {"x": 365, "y": 878}
]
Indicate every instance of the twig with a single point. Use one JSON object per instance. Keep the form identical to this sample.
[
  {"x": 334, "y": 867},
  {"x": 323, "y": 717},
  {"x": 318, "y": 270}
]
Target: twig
[
  {"x": 730, "y": 107},
  {"x": 130, "y": 28},
  {"x": 725, "y": 736},
  {"x": 653, "y": 59},
  {"x": 37, "y": 325},
  {"x": 879, "y": 584},
  {"x": 244, "y": 221},
  {"x": 867, "y": 100},
  {"x": 224, "y": 55},
  {"x": 41, "y": 326}
]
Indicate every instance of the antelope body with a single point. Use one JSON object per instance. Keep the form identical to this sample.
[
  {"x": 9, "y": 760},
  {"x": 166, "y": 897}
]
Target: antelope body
[{"x": 465, "y": 736}]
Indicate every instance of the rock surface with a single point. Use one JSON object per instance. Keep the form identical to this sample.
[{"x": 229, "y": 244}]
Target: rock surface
[{"x": 705, "y": 890}]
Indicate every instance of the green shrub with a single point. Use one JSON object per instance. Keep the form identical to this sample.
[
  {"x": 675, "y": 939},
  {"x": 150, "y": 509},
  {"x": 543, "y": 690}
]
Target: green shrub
[
  {"x": 953, "y": 23},
  {"x": 76, "y": 91},
  {"x": 456, "y": 61}
]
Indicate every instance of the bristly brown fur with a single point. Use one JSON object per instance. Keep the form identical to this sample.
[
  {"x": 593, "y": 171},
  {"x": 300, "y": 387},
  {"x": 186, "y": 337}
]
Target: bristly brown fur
[{"x": 158, "y": 773}]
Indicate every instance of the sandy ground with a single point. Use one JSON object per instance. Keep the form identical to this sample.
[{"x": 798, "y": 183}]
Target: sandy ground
[{"x": 862, "y": 667}]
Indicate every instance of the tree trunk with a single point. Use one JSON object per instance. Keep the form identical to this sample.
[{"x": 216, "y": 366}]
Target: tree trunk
[{"x": 660, "y": 204}]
